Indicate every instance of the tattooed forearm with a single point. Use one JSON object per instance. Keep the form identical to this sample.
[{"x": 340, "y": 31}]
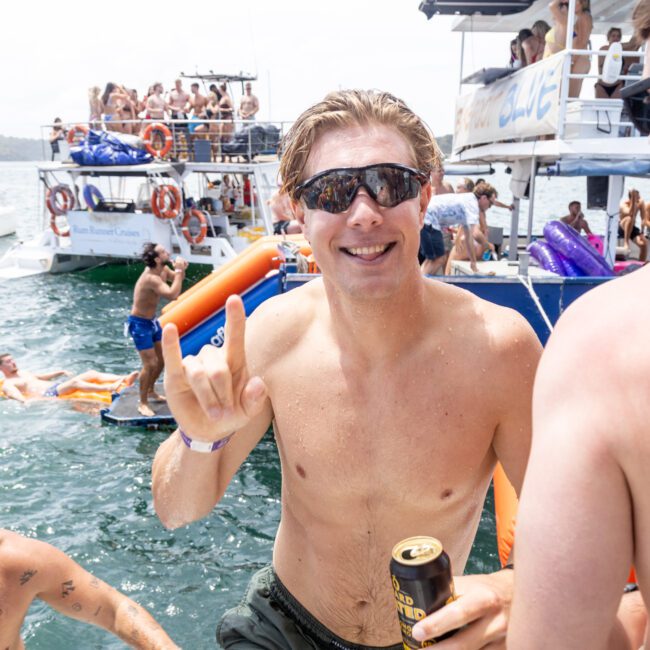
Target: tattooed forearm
[
  {"x": 67, "y": 588},
  {"x": 76, "y": 607},
  {"x": 27, "y": 576}
]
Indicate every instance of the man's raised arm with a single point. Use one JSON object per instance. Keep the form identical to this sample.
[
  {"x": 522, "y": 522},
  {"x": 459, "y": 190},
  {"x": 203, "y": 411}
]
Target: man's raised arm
[{"x": 222, "y": 413}]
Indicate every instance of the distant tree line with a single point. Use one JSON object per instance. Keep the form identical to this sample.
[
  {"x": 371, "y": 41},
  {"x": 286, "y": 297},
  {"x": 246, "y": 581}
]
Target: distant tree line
[{"x": 22, "y": 148}]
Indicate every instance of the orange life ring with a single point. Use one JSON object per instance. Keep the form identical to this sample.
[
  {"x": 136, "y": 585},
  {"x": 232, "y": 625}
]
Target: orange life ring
[
  {"x": 147, "y": 134},
  {"x": 203, "y": 223},
  {"x": 52, "y": 202},
  {"x": 58, "y": 208},
  {"x": 158, "y": 199},
  {"x": 77, "y": 128}
]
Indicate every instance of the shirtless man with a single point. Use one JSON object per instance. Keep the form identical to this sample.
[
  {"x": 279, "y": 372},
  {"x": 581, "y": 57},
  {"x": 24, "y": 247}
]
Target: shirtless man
[
  {"x": 23, "y": 386},
  {"x": 576, "y": 219},
  {"x": 156, "y": 281},
  {"x": 472, "y": 239},
  {"x": 156, "y": 105},
  {"x": 31, "y": 569},
  {"x": 178, "y": 102},
  {"x": 385, "y": 426},
  {"x": 584, "y": 516},
  {"x": 249, "y": 104},
  {"x": 627, "y": 228},
  {"x": 197, "y": 101}
]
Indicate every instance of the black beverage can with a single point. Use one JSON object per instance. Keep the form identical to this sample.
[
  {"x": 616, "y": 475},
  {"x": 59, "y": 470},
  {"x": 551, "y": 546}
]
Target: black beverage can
[{"x": 422, "y": 583}]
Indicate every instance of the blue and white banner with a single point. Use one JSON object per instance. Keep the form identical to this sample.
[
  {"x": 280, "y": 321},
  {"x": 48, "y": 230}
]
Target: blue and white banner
[{"x": 525, "y": 104}]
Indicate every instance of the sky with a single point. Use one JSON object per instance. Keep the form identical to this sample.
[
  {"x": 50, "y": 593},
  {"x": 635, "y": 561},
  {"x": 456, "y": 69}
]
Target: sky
[{"x": 52, "y": 54}]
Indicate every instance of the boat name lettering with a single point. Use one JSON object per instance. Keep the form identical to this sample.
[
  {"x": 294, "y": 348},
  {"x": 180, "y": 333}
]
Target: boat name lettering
[
  {"x": 218, "y": 338},
  {"x": 105, "y": 232},
  {"x": 524, "y": 99}
]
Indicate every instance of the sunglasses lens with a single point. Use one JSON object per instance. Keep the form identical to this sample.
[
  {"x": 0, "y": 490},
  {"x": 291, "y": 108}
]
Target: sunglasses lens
[{"x": 388, "y": 185}]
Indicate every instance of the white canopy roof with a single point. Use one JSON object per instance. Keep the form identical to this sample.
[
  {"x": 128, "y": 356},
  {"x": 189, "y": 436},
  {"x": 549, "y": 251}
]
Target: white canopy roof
[{"x": 605, "y": 13}]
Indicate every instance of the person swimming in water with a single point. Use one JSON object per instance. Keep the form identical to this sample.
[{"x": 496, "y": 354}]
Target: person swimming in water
[{"x": 23, "y": 385}]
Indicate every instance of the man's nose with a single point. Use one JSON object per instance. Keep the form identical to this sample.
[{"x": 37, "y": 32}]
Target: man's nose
[{"x": 364, "y": 211}]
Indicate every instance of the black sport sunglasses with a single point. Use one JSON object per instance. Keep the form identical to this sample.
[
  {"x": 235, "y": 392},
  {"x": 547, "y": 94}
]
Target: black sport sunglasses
[{"x": 333, "y": 190}]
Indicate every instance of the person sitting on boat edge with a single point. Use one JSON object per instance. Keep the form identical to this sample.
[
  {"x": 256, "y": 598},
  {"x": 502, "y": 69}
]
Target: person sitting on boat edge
[
  {"x": 384, "y": 427},
  {"x": 576, "y": 219},
  {"x": 23, "y": 385},
  {"x": 471, "y": 239},
  {"x": 627, "y": 229},
  {"x": 584, "y": 515},
  {"x": 31, "y": 569},
  {"x": 157, "y": 281}
]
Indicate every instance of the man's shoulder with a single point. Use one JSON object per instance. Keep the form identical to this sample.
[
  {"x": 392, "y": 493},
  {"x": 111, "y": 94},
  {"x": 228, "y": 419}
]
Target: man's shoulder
[{"x": 284, "y": 318}]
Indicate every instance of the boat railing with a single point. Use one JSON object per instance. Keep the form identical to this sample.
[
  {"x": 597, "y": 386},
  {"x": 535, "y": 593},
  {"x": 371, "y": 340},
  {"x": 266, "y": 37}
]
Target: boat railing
[
  {"x": 587, "y": 110},
  {"x": 192, "y": 140}
]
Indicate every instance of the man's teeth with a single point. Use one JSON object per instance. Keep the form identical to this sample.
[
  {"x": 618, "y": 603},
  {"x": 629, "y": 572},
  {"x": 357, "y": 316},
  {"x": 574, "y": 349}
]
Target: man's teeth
[{"x": 368, "y": 250}]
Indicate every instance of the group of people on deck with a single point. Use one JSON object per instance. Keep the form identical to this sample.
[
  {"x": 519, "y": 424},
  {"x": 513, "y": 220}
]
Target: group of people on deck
[
  {"x": 543, "y": 40},
  {"x": 119, "y": 108}
]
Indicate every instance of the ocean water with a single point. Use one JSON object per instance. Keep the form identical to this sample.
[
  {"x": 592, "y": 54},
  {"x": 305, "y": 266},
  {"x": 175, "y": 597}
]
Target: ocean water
[{"x": 85, "y": 487}]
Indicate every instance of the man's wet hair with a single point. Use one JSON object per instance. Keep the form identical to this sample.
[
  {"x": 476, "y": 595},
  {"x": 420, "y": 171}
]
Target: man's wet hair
[
  {"x": 149, "y": 254},
  {"x": 574, "y": 203},
  {"x": 4, "y": 355},
  {"x": 346, "y": 108}
]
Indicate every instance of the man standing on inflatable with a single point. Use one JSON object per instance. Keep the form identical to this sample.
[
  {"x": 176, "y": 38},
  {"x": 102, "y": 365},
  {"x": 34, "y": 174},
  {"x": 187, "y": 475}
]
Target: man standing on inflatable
[
  {"x": 143, "y": 326},
  {"x": 385, "y": 425}
]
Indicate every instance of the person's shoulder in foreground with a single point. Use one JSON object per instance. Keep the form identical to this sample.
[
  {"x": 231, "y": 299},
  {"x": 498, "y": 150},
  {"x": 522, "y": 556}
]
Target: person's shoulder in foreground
[
  {"x": 31, "y": 569},
  {"x": 584, "y": 517}
]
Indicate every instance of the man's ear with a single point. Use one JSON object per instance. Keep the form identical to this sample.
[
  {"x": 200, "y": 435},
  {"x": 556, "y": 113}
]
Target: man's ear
[{"x": 298, "y": 212}]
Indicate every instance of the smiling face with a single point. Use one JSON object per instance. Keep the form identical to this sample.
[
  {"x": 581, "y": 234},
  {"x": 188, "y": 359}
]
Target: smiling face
[{"x": 367, "y": 251}]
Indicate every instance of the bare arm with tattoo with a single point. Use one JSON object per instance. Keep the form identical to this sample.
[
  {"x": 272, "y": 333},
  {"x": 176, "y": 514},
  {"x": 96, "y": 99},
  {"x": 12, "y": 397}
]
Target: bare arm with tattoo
[{"x": 31, "y": 569}]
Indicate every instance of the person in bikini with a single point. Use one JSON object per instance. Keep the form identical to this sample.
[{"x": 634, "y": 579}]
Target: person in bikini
[
  {"x": 556, "y": 37},
  {"x": 603, "y": 90},
  {"x": 30, "y": 569},
  {"x": 384, "y": 428},
  {"x": 24, "y": 386},
  {"x": 157, "y": 281}
]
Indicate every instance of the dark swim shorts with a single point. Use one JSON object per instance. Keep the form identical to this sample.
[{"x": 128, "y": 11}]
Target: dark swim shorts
[
  {"x": 270, "y": 618},
  {"x": 144, "y": 332},
  {"x": 432, "y": 243},
  {"x": 52, "y": 391}
]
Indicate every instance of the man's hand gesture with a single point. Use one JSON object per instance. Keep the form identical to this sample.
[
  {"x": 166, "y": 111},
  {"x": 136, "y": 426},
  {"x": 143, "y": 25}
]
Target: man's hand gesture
[{"x": 212, "y": 395}]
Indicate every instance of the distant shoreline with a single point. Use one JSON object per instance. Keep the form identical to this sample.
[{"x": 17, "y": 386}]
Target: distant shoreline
[{"x": 21, "y": 149}]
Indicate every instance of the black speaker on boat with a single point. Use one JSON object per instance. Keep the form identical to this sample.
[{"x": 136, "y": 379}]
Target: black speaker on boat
[
  {"x": 637, "y": 103},
  {"x": 470, "y": 7},
  {"x": 597, "y": 190}
]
